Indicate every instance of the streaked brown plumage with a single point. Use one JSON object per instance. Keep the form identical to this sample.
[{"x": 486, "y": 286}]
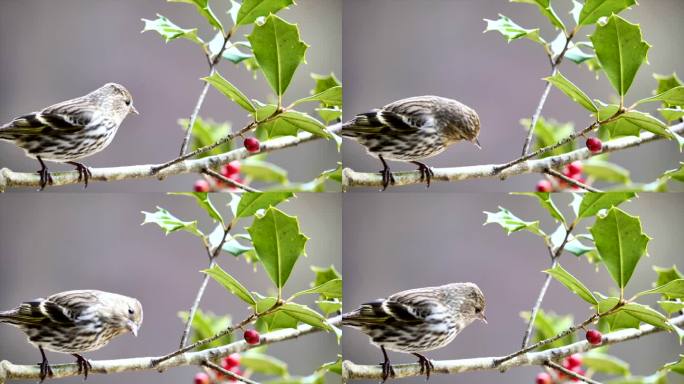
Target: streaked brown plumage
[
  {"x": 75, "y": 322},
  {"x": 418, "y": 320},
  {"x": 71, "y": 130},
  {"x": 413, "y": 129}
]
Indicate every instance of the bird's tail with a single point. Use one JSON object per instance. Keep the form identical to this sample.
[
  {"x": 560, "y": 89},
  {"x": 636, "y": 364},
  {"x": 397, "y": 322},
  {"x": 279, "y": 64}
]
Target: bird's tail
[
  {"x": 368, "y": 313},
  {"x": 364, "y": 123}
]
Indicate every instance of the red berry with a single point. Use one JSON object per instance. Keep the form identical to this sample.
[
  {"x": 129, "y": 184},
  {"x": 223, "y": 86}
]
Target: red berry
[
  {"x": 594, "y": 337},
  {"x": 231, "y": 361},
  {"x": 594, "y": 144},
  {"x": 202, "y": 185},
  {"x": 202, "y": 378},
  {"x": 252, "y": 145},
  {"x": 573, "y": 361},
  {"x": 230, "y": 169},
  {"x": 574, "y": 168},
  {"x": 544, "y": 186},
  {"x": 543, "y": 378},
  {"x": 252, "y": 337}
]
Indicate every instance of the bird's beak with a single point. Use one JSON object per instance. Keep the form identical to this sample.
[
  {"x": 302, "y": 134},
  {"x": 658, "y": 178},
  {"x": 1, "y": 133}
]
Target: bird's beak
[
  {"x": 133, "y": 110},
  {"x": 477, "y": 143},
  {"x": 483, "y": 318},
  {"x": 133, "y": 327}
]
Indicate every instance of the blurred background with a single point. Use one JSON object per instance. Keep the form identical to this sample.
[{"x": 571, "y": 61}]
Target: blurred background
[
  {"x": 96, "y": 242},
  {"x": 57, "y": 50},
  {"x": 399, "y": 241},
  {"x": 400, "y": 48}
]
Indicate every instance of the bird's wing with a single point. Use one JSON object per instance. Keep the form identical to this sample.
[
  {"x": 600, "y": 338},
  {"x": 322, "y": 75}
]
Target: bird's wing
[
  {"x": 393, "y": 118},
  {"x": 74, "y": 303},
  {"x": 413, "y": 305},
  {"x": 63, "y": 117},
  {"x": 368, "y": 313},
  {"x": 38, "y": 311}
]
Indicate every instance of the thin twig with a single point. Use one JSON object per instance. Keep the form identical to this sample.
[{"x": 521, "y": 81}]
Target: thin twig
[
  {"x": 570, "y": 373},
  {"x": 228, "y": 373},
  {"x": 537, "y": 113},
  {"x": 571, "y": 181},
  {"x": 537, "y": 305},
  {"x": 212, "y": 254},
  {"x": 195, "y": 112},
  {"x": 249, "y": 319},
  {"x": 228, "y": 181}
]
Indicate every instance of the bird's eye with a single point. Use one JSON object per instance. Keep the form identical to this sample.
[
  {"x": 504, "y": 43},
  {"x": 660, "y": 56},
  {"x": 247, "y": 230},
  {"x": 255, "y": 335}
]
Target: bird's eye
[
  {"x": 131, "y": 311},
  {"x": 128, "y": 101},
  {"x": 478, "y": 310}
]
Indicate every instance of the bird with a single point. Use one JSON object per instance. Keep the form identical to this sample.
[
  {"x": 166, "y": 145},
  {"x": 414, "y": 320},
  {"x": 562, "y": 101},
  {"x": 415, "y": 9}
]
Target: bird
[
  {"x": 413, "y": 129},
  {"x": 75, "y": 322},
  {"x": 418, "y": 320},
  {"x": 71, "y": 130}
]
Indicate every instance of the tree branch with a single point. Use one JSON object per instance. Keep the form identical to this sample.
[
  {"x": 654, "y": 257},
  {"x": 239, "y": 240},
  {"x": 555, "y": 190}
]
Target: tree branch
[
  {"x": 572, "y": 182},
  {"x": 10, "y": 179},
  {"x": 32, "y": 372},
  {"x": 353, "y": 371},
  {"x": 360, "y": 179},
  {"x": 228, "y": 373},
  {"x": 537, "y": 305},
  {"x": 570, "y": 373}
]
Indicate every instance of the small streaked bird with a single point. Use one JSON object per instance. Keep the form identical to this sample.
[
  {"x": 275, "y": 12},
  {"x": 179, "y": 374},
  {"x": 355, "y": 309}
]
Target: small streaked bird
[
  {"x": 71, "y": 130},
  {"x": 418, "y": 320},
  {"x": 75, "y": 322},
  {"x": 413, "y": 129}
]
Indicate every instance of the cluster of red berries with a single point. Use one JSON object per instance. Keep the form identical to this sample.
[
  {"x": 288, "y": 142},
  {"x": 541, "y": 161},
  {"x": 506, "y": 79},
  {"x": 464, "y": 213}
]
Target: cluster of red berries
[
  {"x": 230, "y": 363},
  {"x": 230, "y": 171},
  {"x": 571, "y": 363},
  {"x": 554, "y": 184}
]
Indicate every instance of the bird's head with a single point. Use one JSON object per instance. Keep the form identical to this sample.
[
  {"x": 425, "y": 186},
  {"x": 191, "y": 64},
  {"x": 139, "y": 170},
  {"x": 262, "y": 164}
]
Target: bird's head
[
  {"x": 463, "y": 122},
  {"x": 466, "y": 300},
  {"x": 126, "y": 313},
  {"x": 115, "y": 98}
]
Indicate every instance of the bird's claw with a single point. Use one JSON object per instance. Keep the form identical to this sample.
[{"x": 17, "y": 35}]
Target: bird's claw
[
  {"x": 426, "y": 173},
  {"x": 387, "y": 178},
  {"x": 426, "y": 366},
  {"x": 387, "y": 370},
  {"x": 83, "y": 366},
  {"x": 45, "y": 370},
  {"x": 84, "y": 172},
  {"x": 45, "y": 178}
]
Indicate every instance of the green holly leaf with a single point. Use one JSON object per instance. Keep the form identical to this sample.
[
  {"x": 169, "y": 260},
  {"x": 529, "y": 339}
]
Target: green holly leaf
[
  {"x": 512, "y": 223},
  {"x": 545, "y": 201},
  {"x": 235, "y": 248},
  {"x": 666, "y": 82},
  {"x": 571, "y": 283},
  {"x": 232, "y": 53},
  {"x": 602, "y": 362},
  {"x": 671, "y": 306},
  {"x": 666, "y": 275},
  {"x": 620, "y": 50},
  {"x": 676, "y": 366},
  {"x": 647, "y": 314},
  {"x": 206, "y": 325},
  {"x": 674, "y": 96},
  {"x": 276, "y": 320},
  {"x": 596, "y": 9},
  {"x": 548, "y": 132},
  {"x": 547, "y": 325},
  {"x": 263, "y": 171},
  {"x": 254, "y": 9},
  {"x": 606, "y": 171},
  {"x": 170, "y": 31},
  {"x": 278, "y": 243},
  {"x": 671, "y": 114},
  {"x": 262, "y": 363},
  {"x": 251, "y": 202},
  {"x": 331, "y": 96},
  {"x": 512, "y": 31},
  {"x": 593, "y": 202},
  {"x": 202, "y": 199},
  {"x": 673, "y": 290},
  {"x": 170, "y": 223},
  {"x": 572, "y": 91},
  {"x": 279, "y": 50},
  {"x": 206, "y": 132},
  {"x": 204, "y": 10},
  {"x": 329, "y": 306},
  {"x": 305, "y": 315},
  {"x": 324, "y": 82},
  {"x": 617, "y": 320},
  {"x": 333, "y": 114},
  {"x": 546, "y": 10},
  {"x": 631, "y": 123},
  {"x": 323, "y": 275},
  {"x": 230, "y": 91},
  {"x": 291, "y": 122},
  {"x": 231, "y": 284},
  {"x": 620, "y": 242},
  {"x": 329, "y": 289}
]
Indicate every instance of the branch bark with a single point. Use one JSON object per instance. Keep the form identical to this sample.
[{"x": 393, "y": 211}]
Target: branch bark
[
  {"x": 32, "y": 372},
  {"x": 11, "y": 179},
  {"x": 354, "y": 371},
  {"x": 352, "y": 178}
]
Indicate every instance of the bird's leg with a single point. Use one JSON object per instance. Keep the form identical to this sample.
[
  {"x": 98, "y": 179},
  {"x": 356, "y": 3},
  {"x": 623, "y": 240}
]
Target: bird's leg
[
  {"x": 83, "y": 365},
  {"x": 45, "y": 176},
  {"x": 83, "y": 172},
  {"x": 426, "y": 172},
  {"x": 387, "y": 176},
  {"x": 387, "y": 369},
  {"x": 45, "y": 369},
  {"x": 426, "y": 365}
]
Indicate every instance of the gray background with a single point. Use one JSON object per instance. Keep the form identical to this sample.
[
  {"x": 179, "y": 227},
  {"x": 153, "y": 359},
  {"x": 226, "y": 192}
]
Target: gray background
[
  {"x": 397, "y": 241},
  {"x": 57, "y": 242},
  {"x": 57, "y": 50},
  {"x": 399, "y": 48}
]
